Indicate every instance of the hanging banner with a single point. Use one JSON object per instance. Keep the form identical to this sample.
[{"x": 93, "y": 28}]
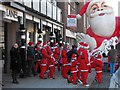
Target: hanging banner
[{"x": 71, "y": 21}]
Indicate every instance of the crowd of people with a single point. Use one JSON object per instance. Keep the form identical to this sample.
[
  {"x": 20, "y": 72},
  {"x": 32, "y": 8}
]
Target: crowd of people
[{"x": 74, "y": 63}]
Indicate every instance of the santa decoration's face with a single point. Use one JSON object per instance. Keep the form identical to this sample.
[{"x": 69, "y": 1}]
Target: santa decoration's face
[{"x": 101, "y": 19}]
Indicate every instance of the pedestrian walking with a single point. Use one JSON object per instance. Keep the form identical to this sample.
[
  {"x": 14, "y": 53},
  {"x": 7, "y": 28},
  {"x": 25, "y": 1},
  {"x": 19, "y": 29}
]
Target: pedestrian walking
[
  {"x": 98, "y": 64},
  {"x": 31, "y": 59},
  {"x": 84, "y": 63},
  {"x": 51, "y": 67},
  {"x": 56, "y": 54},
  {"x": 65, "y": 64},
  {"x": 15, "y": 64},
  {"x": 73, "y": 69},
  {"x": 112, "y": 59},
  {"x": 44, "y": 64}
]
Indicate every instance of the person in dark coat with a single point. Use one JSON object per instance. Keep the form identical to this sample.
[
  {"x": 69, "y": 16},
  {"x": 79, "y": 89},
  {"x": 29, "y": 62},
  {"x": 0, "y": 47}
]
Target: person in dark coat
[
  {"x": 15, "y": 64},
  {"x": 72, "y": 51},
  {"x": 31, "y": 59}
]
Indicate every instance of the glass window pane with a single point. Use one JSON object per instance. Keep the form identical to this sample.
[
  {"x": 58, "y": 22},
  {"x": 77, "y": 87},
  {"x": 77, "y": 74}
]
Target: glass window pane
[
  {"x": 54, "y": 12},
  {"x": 49, "y": 9},
  {"x": 36, "y": 5},
  {"x": 43, "y": 7},
  {"x": 27, "y": 3},
  {"x": 59, "y": 14}
]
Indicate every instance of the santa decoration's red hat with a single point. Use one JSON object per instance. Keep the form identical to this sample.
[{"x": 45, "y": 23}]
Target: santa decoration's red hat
[
  {"x": 84, "y": 45},
  {"x": 30, "y": 43},
  {"x": 86, "y": 7},
  {"x": 74, "y": 56},
  {"x": 99, "y": 56}
]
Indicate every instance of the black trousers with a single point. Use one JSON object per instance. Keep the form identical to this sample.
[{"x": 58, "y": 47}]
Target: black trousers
[
  {"x": 31, "y": 67},
  {"x": 15, "y": 75}
]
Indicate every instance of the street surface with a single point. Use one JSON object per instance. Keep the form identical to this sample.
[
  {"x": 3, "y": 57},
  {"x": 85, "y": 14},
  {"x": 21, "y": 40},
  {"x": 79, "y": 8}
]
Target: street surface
[{"x": 58, "y": 82}]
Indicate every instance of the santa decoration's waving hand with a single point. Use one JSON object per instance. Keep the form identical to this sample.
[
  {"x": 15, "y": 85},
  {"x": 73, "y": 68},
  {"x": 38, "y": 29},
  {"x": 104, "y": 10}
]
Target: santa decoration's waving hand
[{"x": 103, "y": 24}]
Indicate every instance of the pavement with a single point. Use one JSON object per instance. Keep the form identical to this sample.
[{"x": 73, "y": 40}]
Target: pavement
[
  {"x": 105, "y": 81},
  {"x": 36, "y": 82}
]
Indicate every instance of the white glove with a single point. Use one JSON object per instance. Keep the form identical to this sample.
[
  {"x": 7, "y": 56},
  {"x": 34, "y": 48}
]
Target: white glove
[{"x": 81, "y": 37}]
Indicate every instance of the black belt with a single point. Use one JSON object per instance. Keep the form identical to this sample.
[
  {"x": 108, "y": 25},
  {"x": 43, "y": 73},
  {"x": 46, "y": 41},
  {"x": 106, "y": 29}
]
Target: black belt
[{"x": 82, "y": 58}]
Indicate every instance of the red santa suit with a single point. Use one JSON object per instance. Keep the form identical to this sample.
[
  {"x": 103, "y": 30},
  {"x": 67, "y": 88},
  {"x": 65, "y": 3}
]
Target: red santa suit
[
  {"x": 92, "y": 61},
  {"x": 78, "y": 63},
  {"x": 100, "y": 39},
  {"x": 52, "y": 68},
  {"x": 44, "y": 62},
  {"x": 56, "y": 54},
  {"x": 65, "y": 64},
  {"x": 49, "y": 52},
  {"x": 73, "y": 69},
  {"x": 84, "y": 62},
  {"x": 98, "y": 67}
]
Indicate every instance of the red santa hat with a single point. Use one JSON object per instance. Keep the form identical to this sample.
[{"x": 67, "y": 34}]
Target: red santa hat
[
  {"x": 74, "y": 56},
  {"x": 99, "y": 56},
  {"x": 55, "y": 44},
  {"x": 84, "y": 45},
  {"x": 38, "y": 48},
  {"x": 39, "y": 42},
  {"x": 44, "y": 44},
  {"x": 30, "y": 43},
  {"x": 86, "y": 7}
]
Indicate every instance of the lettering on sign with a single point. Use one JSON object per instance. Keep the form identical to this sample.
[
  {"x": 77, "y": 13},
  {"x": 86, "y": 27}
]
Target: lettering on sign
[{"x": 11, "y": 14}]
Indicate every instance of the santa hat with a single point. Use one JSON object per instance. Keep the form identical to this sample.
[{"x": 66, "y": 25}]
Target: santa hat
[
  {"x": 44, "y": 44},
  {"x": 99, "y": 56},
  {"x": 30, "y": 43},
  {"x": 86, "y": 7},
  {"x": 38, "y": 48},
  {"x": 74, "y": 56},
  {"x": 84, "y": 45},
  {"x": 55, "y": 44},
  {"x": 39, "y": 43}
]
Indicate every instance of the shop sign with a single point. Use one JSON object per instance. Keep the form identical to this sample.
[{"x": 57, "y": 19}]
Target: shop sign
[
  {"x": 11, "y": 14},
  {"x": 71, "y": 21}
]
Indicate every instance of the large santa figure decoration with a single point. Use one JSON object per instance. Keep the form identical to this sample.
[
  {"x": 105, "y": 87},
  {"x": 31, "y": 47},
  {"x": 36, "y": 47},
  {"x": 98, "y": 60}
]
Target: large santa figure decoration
[{"x": 104, "y": 27}]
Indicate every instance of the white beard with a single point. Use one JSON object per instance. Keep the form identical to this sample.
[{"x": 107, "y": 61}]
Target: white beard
[{"x": 103, "y": 25}]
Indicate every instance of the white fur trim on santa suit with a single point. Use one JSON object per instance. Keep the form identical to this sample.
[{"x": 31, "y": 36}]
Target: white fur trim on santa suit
[{"x": 91, "y": 3}]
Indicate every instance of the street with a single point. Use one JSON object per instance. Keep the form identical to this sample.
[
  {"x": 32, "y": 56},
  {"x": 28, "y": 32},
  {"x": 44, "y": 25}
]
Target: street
[{"x": 58, "y": 82}]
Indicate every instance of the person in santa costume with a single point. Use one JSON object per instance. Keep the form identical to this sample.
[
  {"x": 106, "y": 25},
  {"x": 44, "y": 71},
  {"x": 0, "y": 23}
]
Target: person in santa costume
[
  {"x": 44, "y": 61},
  {"x": 65, "y": 64},
  {"x": 56, "y": 54},
  {"x": 73, "y": 70},
  {"x": 84, "y": 66},
  {"x": 49, "y": 52},
  {"x": 103, "y": 24},
  {"x": 98, "y": 67},
  {"x": 51, "y": 67}
]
